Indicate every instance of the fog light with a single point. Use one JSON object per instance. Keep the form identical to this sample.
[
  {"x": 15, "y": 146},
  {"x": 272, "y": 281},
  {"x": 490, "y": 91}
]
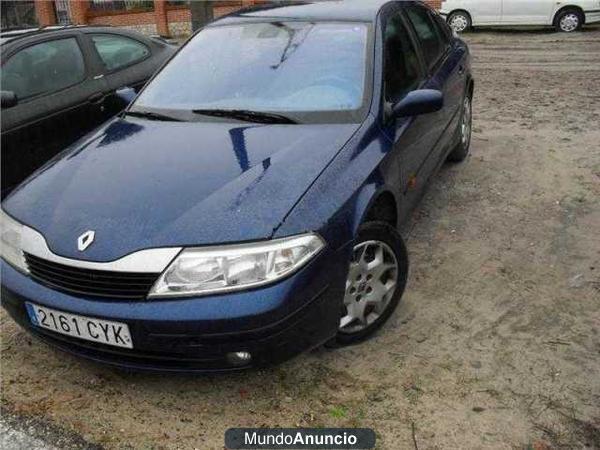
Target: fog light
[{"x": 239, "y": 358}]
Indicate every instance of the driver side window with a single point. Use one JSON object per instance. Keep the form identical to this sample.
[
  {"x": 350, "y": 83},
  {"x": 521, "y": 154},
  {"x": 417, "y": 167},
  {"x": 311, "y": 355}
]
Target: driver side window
[{"x": 402, "y": 70}]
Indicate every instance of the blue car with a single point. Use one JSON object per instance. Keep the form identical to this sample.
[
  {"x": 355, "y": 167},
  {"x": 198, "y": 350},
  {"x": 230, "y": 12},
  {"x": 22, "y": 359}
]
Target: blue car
[{"x": 245, "y": 207}]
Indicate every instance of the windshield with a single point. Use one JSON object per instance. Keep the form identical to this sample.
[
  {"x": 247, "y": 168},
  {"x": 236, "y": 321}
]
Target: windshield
[{"x": 277, "y": 67}]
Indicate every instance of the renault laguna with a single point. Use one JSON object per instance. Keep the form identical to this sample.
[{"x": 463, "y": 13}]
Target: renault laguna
[{"x": 245, "y": 207}]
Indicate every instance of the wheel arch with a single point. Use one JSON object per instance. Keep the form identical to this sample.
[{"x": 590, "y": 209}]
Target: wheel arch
[
  {"x": 454, "y": 11},
  {"x": 569, "y": 7},
  {"x": 382, "y": 207},
  {"x": 471, "y": 86}
]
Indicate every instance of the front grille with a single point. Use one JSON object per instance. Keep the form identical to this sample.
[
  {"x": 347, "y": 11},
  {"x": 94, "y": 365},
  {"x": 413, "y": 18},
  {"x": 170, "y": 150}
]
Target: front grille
[{"x": 96, "y": 283}]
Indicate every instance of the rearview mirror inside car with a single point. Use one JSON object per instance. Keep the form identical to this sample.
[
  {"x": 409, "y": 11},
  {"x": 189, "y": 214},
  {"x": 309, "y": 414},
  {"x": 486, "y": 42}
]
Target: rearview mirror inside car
[
  {"x": 8, "y": 99},
  {"x": 422, "y": 101}
]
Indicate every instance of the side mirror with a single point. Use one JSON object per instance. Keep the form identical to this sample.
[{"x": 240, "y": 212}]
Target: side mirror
[
  {"x": 8, "y": 99},
  {"x": 422, "y": 101},
  {"x": 126, "y": 94}
]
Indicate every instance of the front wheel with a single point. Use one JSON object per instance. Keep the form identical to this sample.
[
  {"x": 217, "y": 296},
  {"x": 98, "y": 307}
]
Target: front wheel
[
  {"x": 376, "y": 281},
  {"x": 569, "y": 21}
]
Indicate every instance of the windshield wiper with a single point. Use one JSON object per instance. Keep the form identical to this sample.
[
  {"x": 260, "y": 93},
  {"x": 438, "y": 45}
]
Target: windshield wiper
[
  {"x": 152, "y": 116},
  {"x": 246, "y": 115}
]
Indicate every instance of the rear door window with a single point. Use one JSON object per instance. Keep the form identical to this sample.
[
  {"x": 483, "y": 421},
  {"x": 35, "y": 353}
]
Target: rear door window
[
  {"x": 428, "y": 33},
  {"x": 118, "y": 52},
  {"x": 44, "y": 68}
]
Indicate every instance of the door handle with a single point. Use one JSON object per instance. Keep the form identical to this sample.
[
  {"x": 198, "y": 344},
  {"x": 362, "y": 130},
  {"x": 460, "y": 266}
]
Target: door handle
[{"x": 96, "y": 98}]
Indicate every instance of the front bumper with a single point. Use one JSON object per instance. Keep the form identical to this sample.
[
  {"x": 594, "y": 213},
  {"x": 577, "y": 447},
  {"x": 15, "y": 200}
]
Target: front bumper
[{"x": 273, "y": 323}]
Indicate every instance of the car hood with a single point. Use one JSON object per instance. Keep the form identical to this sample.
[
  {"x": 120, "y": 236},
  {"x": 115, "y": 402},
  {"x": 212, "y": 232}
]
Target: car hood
[{"x": 143, "y": 184}]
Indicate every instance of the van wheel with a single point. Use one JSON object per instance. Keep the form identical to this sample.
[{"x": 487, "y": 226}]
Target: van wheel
[
  {"x": 461, "y": 151},
  {"x": 569, "y": 21},
  {"x": 460, "y": 21},
  {"x": 375, "y": 283}
]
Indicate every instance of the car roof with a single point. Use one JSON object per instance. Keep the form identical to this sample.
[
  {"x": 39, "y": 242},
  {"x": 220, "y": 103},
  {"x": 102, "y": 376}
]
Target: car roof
[
  {"x": 332, "y": 10},
  {"x": 15, "y": 34}
]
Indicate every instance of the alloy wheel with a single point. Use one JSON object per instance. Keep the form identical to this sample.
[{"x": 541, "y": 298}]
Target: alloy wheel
[
  {"x": 467, "y": 123},
  {"x": 371, "y": 283}
]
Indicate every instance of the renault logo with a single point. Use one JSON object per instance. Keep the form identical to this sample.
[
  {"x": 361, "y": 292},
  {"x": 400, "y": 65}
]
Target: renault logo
[{"x": 85, "y": 240}]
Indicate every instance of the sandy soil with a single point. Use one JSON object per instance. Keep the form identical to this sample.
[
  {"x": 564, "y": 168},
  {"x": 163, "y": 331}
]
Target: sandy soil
[{"x": 497, "y": 341}]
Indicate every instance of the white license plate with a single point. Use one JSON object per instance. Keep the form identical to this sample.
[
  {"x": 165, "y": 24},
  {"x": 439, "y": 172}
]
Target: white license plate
[{"x": 82, "y": 327}]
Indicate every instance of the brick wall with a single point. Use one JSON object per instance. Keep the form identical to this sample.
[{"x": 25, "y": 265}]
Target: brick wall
[
  {"x": 180, "y": 21},
  {"x": 178, "y": 18},
  {"x": 122, "y": 19},
  {"x": 164, "y": 19},
  {"x": 44, "y": 10}
]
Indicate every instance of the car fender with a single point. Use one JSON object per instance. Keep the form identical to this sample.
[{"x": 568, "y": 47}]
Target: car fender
[{"x": 339, "y": 200}]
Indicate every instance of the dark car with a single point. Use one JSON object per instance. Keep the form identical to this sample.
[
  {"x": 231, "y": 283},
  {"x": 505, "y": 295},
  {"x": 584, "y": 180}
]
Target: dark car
[
  {"x": 59, "y": 83},
  {"x": 245, "y": 207}
]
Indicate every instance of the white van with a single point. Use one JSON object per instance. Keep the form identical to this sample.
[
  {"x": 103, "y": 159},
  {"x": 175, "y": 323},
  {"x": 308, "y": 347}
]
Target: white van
[{"x": 567, "y": 16}]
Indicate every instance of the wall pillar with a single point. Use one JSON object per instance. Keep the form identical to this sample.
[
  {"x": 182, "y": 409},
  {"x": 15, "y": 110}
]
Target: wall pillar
[
  {"x": 162, "y": 21},
  {"x": 44, "y": 10},
  {"x": 79, "y": 9}
]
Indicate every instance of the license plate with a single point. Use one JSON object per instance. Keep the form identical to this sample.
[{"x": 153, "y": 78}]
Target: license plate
[{"x": 82, "y": 327}]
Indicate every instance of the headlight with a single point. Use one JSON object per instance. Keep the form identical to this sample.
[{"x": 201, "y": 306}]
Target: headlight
[
  {"x": 198, "y": 271},
  {"x": 10, "y": 242}
]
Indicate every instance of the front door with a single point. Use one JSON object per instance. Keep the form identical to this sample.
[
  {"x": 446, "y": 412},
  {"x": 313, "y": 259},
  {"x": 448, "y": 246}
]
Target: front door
[
  {"x": 413, "y": 137},
  {"x": 56, "y": 104},
  {"x": 485, "y": 12},
  {"x": 443, "y": 74},
  {"x": 527, "y": 12}
]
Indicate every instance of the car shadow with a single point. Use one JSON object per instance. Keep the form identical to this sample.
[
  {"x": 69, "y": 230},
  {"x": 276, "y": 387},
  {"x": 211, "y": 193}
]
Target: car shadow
[{"x": 594, "y": 28}]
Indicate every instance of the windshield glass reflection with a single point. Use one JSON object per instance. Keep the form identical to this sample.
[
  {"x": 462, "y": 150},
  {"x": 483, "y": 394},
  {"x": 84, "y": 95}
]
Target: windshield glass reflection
[{"x": 276, "y": 66}]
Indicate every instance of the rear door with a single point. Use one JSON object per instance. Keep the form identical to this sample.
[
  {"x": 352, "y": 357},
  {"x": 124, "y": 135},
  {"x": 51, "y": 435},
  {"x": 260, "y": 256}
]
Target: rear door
[
  {"x": 125, "y": 62},
  {"x": 58, "y": 101},
  {"x": 527, "y": 12}
]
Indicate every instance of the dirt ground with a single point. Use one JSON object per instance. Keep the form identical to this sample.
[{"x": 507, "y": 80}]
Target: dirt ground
[{"x": 497, "y": 341}]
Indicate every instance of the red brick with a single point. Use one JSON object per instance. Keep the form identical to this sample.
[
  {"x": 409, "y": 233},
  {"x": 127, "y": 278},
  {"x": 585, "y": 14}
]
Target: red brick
[
  {"x": 44, "y": 10},
  {"x": 160, "y": 17},
  {"x": 160, "y": 11},
  {"x": 123, "y": 20},
  {"x": 437, "y": 4},
  {"x": 79, "y": 11}
]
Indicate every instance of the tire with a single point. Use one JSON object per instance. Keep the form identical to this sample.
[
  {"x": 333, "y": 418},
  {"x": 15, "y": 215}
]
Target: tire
[
  {"x": 460, "y": 21},
  {"x": 568, "y": 21},
  {"x": 465, "y": 129},
  {"x": 363, "y": 284}
]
